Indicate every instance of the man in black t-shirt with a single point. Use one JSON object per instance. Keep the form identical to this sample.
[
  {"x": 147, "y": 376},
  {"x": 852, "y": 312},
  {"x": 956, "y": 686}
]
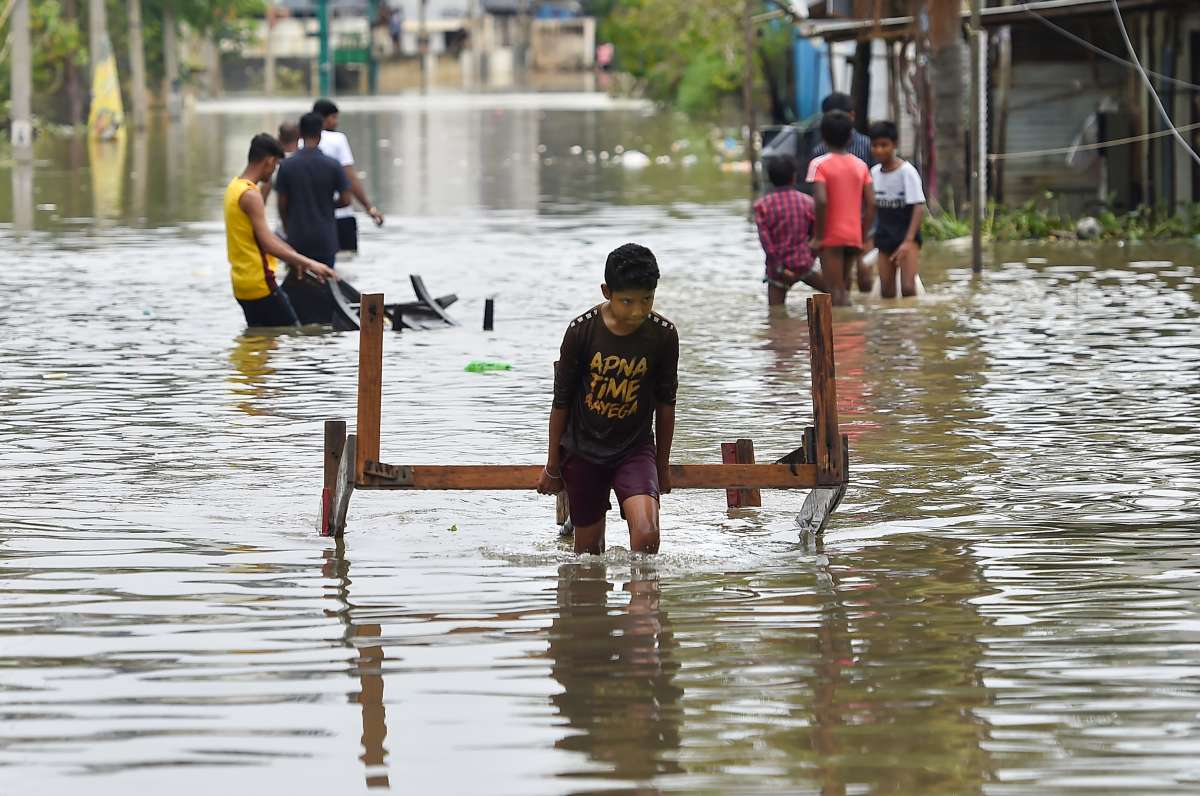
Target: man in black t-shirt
[
  {"x": 307, "y": 184},
  {"x": 614, "y": 388}
]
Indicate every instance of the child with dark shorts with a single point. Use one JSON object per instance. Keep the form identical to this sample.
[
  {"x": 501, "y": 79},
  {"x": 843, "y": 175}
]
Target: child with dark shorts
[
  {"x": 785, "y": 218},
  {"x": 845, "y": 204},
  {"x": 614, "y": 388},
  {"x": 900, "y": 206}
]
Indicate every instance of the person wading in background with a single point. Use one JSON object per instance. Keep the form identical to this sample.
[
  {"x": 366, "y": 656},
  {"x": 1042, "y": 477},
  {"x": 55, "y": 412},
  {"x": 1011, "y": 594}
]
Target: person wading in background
[
  {"x": 337, "y": 146},
  {"x": 251, "y": 246}
]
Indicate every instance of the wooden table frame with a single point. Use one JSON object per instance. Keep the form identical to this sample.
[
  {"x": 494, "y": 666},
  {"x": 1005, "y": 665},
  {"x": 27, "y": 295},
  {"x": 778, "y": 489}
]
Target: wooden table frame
[{"x": 820, "y": 464}]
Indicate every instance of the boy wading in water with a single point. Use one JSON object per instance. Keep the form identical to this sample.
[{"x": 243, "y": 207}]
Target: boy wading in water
[
  {"x": 785, "y": 219},
  {"x": 845, "y": 204},
  {"x": 252, "y": 247},
  {"x": 614, "y": 388},
  {"x": 900, "y": 204}
]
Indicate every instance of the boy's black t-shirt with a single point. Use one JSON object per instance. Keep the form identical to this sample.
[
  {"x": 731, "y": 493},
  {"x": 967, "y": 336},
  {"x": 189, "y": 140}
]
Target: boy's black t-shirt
[
  {"x": 310, "y": 179},
  {"x": 612, "y": 383}
]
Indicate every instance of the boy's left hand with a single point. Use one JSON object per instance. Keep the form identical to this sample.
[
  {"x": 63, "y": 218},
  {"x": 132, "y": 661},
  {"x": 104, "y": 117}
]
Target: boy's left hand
[
  {"x": 664, "y": 479},
  {"x": 906, "y": 249}
]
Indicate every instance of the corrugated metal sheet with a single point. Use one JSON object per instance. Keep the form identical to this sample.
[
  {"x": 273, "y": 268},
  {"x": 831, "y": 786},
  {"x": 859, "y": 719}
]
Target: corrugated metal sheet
[{"x": 1048, "y": 106}]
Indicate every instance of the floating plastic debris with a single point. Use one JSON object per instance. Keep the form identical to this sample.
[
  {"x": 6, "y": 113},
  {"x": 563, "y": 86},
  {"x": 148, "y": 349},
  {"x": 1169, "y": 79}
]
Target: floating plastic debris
[
  {"x": 577, "y": 150},
  {"x": 663, "y": 160},
  {"x": 486, "y": 366},
  {"x": 603, "y": 155},
  {"x": 541, "y": 149},
  {"x": 385, "y": 143},
  {"x": 689, "y": 160},
  {"x": 635, "y": 160},
  {"x": 618, "y": 149}
]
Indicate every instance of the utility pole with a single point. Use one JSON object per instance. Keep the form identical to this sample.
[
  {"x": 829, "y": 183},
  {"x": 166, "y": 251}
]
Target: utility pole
[
  {"x": 372, "y": 64},
  {"x": 324, "y": 57},
  {"x": 978, "y": 137},
  {"x": 137, "y": 65},
  {"x": 748, "y": 94},
  {"x": 22, "y": 82},
  {"x": 423, "y": 43},
  {"x": 269, "y": 51}
]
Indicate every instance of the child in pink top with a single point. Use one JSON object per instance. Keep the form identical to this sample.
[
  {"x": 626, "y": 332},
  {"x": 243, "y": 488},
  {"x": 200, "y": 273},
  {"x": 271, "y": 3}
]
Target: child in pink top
[{"x": 845, "y": 204}]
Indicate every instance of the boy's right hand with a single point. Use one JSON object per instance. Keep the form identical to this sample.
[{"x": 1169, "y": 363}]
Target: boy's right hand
[
  {"x": 548, "y": 485},
  {"x": 320, "y": 271}
]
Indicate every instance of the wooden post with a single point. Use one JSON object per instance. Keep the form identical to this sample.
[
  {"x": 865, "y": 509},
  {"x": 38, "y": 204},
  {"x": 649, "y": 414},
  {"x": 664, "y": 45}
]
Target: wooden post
[
  {"x": 370, "y": 380},
  {"x": 740, "y": 452},
  {"x": 978, "y": 158},
  {"x": 829, "y": 455},
  {"x": 489, "y": 314},
  {"x": 335, "y": 445}
]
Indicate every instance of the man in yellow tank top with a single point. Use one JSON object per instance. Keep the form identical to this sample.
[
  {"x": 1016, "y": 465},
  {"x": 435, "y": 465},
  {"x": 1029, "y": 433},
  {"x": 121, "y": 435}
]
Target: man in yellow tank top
[{"x": 252, "y": 247}]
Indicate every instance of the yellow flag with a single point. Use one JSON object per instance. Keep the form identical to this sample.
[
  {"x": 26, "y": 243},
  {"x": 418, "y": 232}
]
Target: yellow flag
[{"x": 107, "y": 114}]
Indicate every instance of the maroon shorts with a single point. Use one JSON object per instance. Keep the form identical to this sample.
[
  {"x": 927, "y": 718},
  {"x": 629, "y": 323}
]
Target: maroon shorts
[{"x": 588, "y": 484}]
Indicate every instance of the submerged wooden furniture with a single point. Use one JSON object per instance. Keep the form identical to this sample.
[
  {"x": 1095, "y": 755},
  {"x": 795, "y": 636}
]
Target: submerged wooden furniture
[{"x": 820, "y": 464}]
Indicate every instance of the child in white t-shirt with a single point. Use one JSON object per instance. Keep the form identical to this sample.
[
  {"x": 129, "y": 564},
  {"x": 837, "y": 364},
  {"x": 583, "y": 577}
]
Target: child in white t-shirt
[{"x": 900, "y": 206}]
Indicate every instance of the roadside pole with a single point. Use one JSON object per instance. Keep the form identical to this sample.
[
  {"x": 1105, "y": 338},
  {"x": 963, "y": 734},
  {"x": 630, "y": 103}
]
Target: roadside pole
[
  {"x": 324, "y": 67},
  {"x": 22, "y": 82},
  {"x": 978, "y": 136},
  {"x": 372, "y": 64},
  {"x": 748, "y": 96}
]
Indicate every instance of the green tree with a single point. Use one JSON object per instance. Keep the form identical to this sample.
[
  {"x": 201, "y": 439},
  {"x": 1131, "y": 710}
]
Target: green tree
[{"x": 691, "y": 53}]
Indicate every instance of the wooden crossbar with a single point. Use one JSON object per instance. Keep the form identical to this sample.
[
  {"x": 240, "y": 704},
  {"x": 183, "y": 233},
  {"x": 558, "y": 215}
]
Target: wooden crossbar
[
  {"x": 820, "y": 464},
  {"x": 525, "y": 476}
]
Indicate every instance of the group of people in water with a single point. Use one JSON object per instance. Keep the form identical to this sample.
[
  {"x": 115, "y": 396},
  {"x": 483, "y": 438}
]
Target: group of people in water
[
  {"x": 310, "y": 170},
  {"x": 864, "y": 197},
  {"x": 612, "y": 417}
]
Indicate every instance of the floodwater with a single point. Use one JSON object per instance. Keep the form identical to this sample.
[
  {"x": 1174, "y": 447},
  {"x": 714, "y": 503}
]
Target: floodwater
[{"x": 1008, "y": 601}]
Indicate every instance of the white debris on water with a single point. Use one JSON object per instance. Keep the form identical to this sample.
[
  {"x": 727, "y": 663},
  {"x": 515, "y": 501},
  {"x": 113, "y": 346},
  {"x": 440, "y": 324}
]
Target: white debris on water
[
  {"x": 603, "y": 155},
  {"x": 618, "y": 149},
  {"x": 663, "y": 160},
  {"x": 689, "y": 160},
  {"x": 385, "y": 143},
  {"x": 635, "y": 160},
  {"x": 541, "y": 149},
  {"x": 576, "y": 150}
]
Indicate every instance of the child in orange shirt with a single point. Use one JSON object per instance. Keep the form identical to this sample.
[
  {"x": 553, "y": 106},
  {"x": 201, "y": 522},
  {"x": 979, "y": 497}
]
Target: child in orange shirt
[{"x": 845, "y": 204}]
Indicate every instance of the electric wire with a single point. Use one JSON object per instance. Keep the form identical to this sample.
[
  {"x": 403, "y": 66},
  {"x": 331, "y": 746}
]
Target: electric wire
[
  {"x": 1066, "y": 150},
  {"x": 1082, "y": 42},
  {"x": 1150, "y": 86}
]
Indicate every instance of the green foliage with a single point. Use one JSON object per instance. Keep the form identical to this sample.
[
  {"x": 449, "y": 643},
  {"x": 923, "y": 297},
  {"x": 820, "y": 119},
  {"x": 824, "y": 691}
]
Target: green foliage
[
  {"x": 59, "y": 38},
  {"x": 688, "y": 54},
  {"x": 1039, "y": 219}
]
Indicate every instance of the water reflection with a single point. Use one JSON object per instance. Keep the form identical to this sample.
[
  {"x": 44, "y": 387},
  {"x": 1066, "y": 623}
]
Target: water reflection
[
  {"x": 367, "y": 667},
  {"x": 251, "y": 381},
  {"x": 862, "y": 701},
  {"x": 616, "y": 665},
  {"x": 420, "y": 161},
  {"x": 107, "y": 159},
  {"x": 22, "y": 195}
]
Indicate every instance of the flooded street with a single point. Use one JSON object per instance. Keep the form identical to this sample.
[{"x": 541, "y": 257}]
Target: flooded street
[{"x": 1008, "y": 600}]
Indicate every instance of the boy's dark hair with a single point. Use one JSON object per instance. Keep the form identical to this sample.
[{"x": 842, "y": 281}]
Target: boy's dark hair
[
  {"x": 836, "y": 128},
  {"x": 311, "y": 125},
  {"x": 884, "y": 129},
  {"x": 781, "y": 170},
  {"x": 324, "y": 107},
  {"x": 264, "y": 146},
  {"x": 837, "y": 101},
  {"x": 289, "y": 133},
  {"x": 631, "y": 267}
]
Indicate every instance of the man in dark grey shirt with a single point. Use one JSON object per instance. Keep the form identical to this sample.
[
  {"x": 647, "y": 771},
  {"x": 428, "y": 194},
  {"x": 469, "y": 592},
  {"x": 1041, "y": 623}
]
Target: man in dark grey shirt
[
  {"x": 309, "y": 186},
  {"x": 860, "y": 145}
]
